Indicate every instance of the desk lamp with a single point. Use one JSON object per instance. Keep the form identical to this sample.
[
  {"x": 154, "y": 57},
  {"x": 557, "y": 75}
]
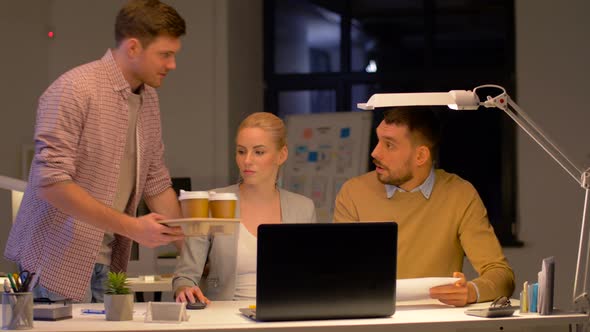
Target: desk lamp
[
  {"x": 17, "y": 187},
  {"x": 469, "y": 100}
]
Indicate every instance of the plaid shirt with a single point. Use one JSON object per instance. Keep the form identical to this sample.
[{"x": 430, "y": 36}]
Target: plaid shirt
[{"x": 80, "y": 136}]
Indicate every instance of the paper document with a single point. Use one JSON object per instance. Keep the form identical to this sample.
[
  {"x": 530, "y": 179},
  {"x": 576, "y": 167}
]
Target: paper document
[
  {"x": 546, "y": 285},
  {"x": 419, "y": 288}
]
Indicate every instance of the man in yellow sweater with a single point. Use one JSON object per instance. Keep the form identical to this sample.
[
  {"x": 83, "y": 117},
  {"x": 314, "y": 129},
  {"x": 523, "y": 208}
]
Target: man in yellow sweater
[{"x": 440, "y": 216}]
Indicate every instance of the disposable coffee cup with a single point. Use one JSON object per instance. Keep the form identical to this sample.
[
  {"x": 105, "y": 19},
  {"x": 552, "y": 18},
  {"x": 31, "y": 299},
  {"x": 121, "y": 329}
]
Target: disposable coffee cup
[
  {"x": 17, "y": 311},
  {"x": 194, "y": 204},
  {"x": 223, "y": 205}
]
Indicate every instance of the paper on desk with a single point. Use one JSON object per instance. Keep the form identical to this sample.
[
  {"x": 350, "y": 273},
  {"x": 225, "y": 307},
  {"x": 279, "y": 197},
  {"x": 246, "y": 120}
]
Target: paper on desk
[{"x": 419, "y": 288}]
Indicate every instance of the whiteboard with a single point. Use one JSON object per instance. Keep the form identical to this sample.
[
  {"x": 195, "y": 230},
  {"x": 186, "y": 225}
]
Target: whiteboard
[{"x": 325, "y": 150}]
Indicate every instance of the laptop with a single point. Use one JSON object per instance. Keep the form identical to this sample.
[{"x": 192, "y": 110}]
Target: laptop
[{"x": 325, "y": 271}]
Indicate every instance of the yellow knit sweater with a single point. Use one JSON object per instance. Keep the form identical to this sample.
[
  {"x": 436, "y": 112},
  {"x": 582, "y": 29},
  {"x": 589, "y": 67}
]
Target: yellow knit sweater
[{"x": 433, "y": 234}]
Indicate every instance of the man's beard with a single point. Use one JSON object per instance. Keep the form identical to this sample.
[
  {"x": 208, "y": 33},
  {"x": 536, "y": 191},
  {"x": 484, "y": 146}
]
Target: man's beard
[{"x": 386, "y": 179}]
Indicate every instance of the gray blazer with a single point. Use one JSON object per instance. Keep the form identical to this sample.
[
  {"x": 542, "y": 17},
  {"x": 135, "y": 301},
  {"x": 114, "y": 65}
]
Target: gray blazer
[{"x": 221, "y": 249}]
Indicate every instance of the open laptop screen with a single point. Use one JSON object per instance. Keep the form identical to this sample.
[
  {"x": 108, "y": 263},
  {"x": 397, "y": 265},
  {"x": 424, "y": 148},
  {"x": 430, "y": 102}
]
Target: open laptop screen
[{"x": 320, "y": 271}]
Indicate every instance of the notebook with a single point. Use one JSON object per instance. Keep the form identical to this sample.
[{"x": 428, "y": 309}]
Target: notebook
[{"x": 325, "y": 271}]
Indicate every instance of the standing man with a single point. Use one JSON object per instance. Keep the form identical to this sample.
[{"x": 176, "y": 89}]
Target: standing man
[
  {"x": 98, "y": 151},
  {"x": 440, "y": 216}
]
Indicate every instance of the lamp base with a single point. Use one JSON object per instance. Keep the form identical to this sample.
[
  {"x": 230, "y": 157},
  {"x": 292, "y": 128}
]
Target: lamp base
[{"x": 582, "y": 303}]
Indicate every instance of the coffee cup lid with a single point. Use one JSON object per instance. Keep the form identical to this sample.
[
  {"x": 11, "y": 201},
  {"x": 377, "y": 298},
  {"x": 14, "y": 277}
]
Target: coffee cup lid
[
  {"x": 192, "y": 195},
  {"x": 222, "y": 196}
]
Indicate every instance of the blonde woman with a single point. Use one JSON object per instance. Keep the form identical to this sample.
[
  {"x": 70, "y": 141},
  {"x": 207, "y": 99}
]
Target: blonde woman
[{"x": 261, "y": 149}]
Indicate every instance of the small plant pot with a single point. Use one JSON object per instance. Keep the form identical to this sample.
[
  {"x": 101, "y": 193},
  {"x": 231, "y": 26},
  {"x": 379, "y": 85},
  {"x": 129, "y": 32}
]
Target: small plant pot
[{"x": 118, "y": 307}]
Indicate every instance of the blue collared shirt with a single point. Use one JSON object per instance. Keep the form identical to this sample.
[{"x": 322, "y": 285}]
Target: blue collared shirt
[{"x": 425, "y": 187}]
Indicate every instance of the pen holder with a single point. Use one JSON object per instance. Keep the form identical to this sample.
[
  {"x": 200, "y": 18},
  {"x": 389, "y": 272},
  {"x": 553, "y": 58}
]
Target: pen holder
[
  {"x": 166, "y": 312},
  {"x": 17, "y": 311}
]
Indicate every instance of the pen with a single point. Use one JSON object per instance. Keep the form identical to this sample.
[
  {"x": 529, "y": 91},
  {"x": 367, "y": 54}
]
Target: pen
[
  {"x": 16, "y": 279},
  {"x": 27, "y": 282},
  {"x": 11, "y": 282},
  {"x": 93, "y": 311}
]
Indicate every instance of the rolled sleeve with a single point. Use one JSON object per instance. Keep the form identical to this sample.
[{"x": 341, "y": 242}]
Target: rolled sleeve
[
  {"x": 189, "y": 269},
  {"x": 59, "y": 125},
  {"x": 483, "y": 250}
]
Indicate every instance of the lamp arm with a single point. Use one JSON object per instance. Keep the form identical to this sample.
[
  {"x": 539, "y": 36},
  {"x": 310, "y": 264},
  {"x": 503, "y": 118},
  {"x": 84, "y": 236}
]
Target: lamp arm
[
  {"x": 581, "y": 299},
  {"x": 504, "y": 102}
]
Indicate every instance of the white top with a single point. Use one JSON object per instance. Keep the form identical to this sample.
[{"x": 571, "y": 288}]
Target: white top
[
  {"x": 246, "y": 265},
  {"x": 127, "y": 175}
]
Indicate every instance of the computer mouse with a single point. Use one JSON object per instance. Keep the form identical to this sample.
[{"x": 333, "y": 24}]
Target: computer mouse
[{"x": 196, "y": 305}]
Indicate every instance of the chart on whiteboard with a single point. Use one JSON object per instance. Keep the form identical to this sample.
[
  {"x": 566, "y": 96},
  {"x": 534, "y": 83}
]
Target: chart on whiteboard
[{"x": 325, "y": 150}]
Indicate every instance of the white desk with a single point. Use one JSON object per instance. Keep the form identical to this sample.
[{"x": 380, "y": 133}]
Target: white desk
[{"x": 224, "y": 316}]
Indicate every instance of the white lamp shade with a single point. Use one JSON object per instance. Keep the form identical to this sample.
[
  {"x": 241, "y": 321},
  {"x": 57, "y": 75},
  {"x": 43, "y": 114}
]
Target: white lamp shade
[
  {"x": 456, "y": 99},
  {"x": 464, "y": 100}
]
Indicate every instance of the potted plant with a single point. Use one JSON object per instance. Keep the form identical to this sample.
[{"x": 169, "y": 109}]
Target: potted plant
[{"x": 118, "y": 298}]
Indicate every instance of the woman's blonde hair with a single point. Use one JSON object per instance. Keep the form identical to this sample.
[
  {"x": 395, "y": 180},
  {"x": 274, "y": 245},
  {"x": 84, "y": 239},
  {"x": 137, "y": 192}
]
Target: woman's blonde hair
[{"x": 269, "y": 123}]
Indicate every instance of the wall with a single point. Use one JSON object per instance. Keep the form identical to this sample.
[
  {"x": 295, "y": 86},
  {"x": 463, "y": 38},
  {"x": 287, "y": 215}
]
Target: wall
[
  {"x": 552, "y": 52},
  {"x": 244, "y": 58},
  {"x": 22, "y": 28}
]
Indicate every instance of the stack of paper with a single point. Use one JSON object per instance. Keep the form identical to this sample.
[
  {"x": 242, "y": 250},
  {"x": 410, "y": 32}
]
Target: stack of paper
[{"x": 419, "y": 288}]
